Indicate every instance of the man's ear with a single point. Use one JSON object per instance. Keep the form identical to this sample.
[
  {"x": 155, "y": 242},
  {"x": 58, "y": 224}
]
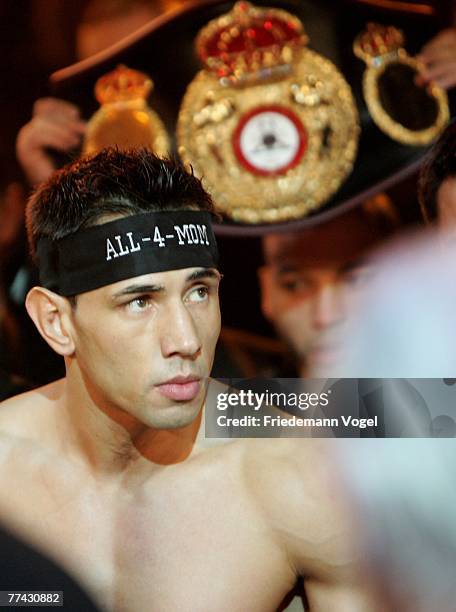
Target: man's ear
[
  {"x": 51, "y": 314},
  {"x": 265, "y": 279}
]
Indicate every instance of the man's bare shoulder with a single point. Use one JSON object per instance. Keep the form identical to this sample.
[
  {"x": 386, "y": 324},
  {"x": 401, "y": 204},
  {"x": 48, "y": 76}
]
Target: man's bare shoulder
[
  {"x": 295, "y": 482},
  {"x": 280, "y": 475},
  {"x": 21, "y": 415},
  {"x": 297, "y": 469},
  {"x": 272, "y": 456}
]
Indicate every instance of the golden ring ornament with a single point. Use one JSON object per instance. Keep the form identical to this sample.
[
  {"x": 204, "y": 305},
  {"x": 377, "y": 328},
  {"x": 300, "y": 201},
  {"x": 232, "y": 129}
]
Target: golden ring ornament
[
  {"x": 408, "y": 113},
  {"x": 124, "y": 118},
  {"x": 269, "y": 125}
]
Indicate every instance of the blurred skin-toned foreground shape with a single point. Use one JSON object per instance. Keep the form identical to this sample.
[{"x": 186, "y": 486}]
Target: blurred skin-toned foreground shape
[
  {"x": 402, "y": 491},
  {"x": 403, "y": 324},
  {"x": 404, "y": 497}
]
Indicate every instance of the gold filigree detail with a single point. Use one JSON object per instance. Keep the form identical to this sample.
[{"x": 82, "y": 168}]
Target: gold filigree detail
[{"x": 318, "y": 95}]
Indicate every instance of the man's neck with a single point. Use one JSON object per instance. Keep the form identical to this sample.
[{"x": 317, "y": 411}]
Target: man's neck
[{"x": 111, "y": 442}]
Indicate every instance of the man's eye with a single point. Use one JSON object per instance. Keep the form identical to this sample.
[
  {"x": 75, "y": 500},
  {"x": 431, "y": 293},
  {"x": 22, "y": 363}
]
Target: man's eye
[
  {"x": 198, "y": 294},
  {"x": 289, "y": 285},
  {"x": 294, "y": 284},
  {"x": 139, "y": 304}
]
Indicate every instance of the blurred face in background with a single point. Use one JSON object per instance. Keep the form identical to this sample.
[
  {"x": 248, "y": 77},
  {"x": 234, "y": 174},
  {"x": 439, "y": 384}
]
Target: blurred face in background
[{"x": 309, "y": 283}]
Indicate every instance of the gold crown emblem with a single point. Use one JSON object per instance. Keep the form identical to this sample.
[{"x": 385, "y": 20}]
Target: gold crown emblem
[
  {"x": 250, "y": 39},
  {"x": 124, "y": 118},
  {"x": 122, "y": 84},
  {"x": 377, "y": 41}
]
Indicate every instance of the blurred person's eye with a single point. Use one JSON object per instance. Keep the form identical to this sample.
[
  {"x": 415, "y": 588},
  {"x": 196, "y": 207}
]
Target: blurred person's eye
[{"x": 295, "y": 283}]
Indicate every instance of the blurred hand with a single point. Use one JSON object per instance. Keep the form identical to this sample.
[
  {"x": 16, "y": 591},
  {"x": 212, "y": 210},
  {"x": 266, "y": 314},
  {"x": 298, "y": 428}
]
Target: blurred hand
[
  {"x": 55, "y": 124},
  {"x": 439, "y": 59}
]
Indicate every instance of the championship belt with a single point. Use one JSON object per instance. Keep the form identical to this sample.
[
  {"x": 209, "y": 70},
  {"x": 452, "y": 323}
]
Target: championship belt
[
  {"x": 124, "y": 118},
  {"x": 270, "y": 125},
  {"x": 405, "y": 111}
]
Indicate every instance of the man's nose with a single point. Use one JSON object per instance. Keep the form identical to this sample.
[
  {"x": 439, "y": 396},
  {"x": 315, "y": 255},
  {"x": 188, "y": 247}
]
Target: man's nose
[
  {"x": 179, "y": 335},
  {"x": 328, "y": 306}
]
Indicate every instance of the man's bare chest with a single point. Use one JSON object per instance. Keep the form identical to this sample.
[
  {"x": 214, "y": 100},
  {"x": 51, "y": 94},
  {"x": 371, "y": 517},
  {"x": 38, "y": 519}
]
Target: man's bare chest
[
  {"x": 199, "y": 557},
  {"x": 180, "y": 544}
]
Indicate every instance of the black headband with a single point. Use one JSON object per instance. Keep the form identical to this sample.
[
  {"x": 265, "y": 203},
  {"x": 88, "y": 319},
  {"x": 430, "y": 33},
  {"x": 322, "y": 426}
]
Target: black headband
[{"x": 125, "y": 248}]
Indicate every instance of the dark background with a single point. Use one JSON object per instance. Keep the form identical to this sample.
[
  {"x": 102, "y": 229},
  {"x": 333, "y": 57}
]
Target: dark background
[{"x": 37, "y": 37}]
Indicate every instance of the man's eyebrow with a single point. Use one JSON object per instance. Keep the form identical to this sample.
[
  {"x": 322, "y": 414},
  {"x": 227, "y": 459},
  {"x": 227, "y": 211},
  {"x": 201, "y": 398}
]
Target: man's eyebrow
[
  {"x": 197, "y": 275},
  {"x": 204, "y": 273},
  {"x": 138, "y": 289},
  {"x": 283, "y": 268}
]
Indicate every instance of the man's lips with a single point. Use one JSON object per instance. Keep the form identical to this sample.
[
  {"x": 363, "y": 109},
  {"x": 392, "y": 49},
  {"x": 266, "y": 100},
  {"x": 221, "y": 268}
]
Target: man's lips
[{"x": 180, "y": 388}]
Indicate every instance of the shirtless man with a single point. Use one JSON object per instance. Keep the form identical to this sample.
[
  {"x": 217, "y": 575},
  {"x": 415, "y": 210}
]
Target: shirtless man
[{"x": 108, "y": 471}]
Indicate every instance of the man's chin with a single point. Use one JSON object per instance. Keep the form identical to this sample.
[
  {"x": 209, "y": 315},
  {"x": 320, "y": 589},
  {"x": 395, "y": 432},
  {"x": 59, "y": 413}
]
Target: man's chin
[
  {"x": 174, "y": 416},
  {"x": 167, "y": 413}
]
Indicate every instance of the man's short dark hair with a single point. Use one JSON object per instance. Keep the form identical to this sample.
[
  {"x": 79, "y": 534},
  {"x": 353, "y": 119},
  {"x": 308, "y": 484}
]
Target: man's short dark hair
[
  {"x": 439, "y": 165},
  {"x": 112, "y": 182}
]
